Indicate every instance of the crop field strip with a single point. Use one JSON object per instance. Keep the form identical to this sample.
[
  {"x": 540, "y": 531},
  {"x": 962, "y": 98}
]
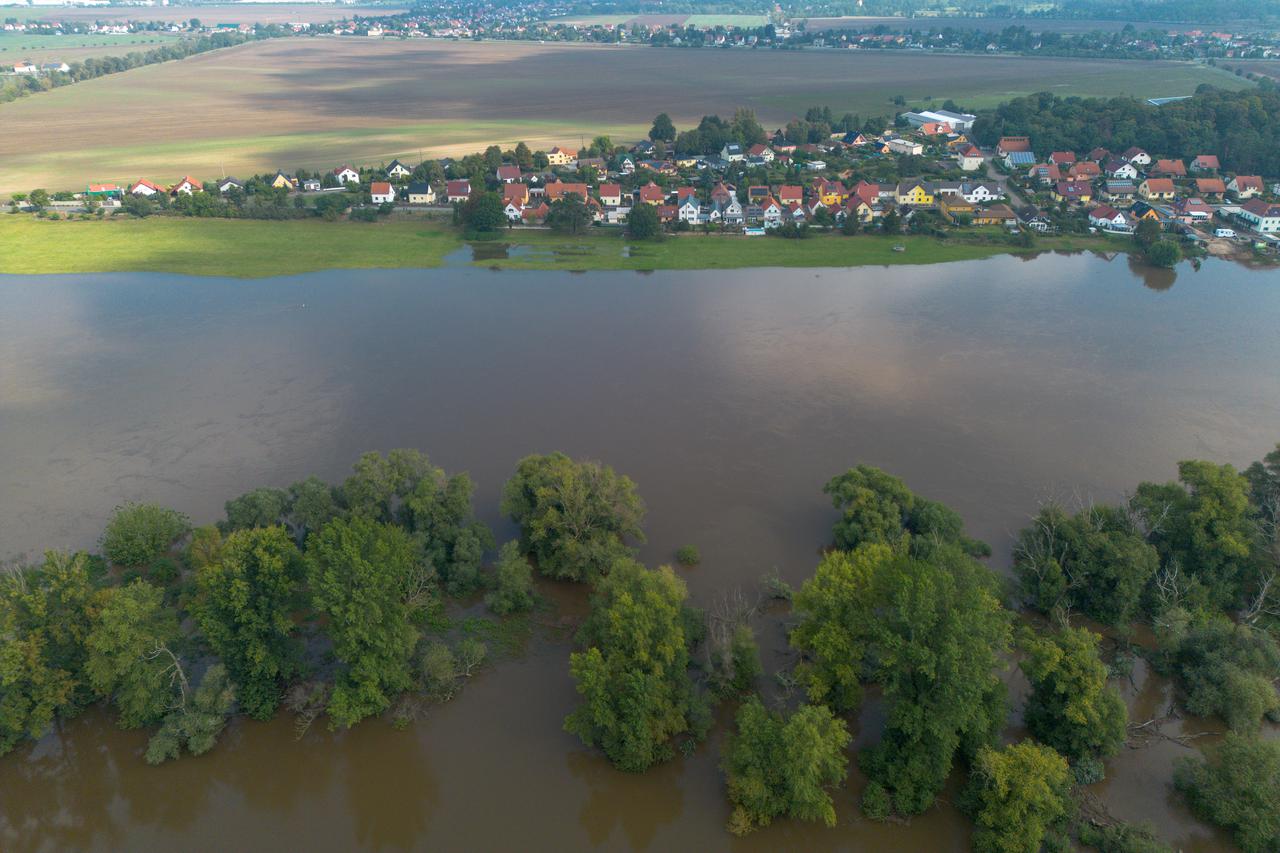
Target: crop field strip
[{"x": 316, "y": 102}]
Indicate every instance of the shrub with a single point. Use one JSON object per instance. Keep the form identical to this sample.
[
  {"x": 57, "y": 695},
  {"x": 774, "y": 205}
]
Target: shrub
[
  {"x": 688, "y": 555},
  {"x": 138, "y": 533}
]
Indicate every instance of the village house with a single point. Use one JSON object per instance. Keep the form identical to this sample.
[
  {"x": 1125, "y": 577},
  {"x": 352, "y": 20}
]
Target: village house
[
  {"x": 559, "y": 189},
  {"x": 1120, "y": 169},
  {"x": 281, "y": 181},
  {"x": 953, "y": 206},
  {"x": 516, "y": 193},
  {"x": 311, "y": 185},
  {"x": 996, "y": 214},
  {"x": 508, "y": 174},
  {"x": 914, "y": 193},
  {"x": 904, "y": 147},
  {"x": 1073, "y": 191},
  {"x": 398, "y": 170},
  {"x": 1156, "y": 189},
  {"x": 1169, "y": 169},
  {"x": 457, "y": 191},
  {"x": 226, "y": 185},
  {"x": 1211, "y": 188},
  {"x": 981, "y": 193},
  {"x": 346, "y": 175},
  {"x": 1085, "y": 171},
  {"x": 1046, "y": 173},
  {"x": 1062, "y": 158},
  {"x": 762, "y": 152},
  {"x": 421, "y": 194},
  {"x": 1143, "y": 210},
  {"x": 1205, "y": 163},
  {"x": 381, "y": 192},
  {"x": 1011, "y": 144},
  {"x": 651, "y": 193},
  {"x": 186, "y": 186},
  {"x": 1192, "y": 210},
  {"x": 1110, "y": 219},
  {"x": 1136, "y": 156},
  {"x": 1119, "y": 193},
  {"x": 732, "y": 152},
  {"x": 790, "y": 194},
  {"x": 969, "y": 157},
  {"x": 1245, "y": 186},
  {"x": 562, "y": 156},
  {"x": 1262, "y": 216},
  {"x": 611, "y": 195},
  {"x": 145, "y": 188}
]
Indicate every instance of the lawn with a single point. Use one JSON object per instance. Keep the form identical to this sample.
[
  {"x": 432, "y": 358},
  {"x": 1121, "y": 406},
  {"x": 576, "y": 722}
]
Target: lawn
[
  {"x": 237, "y": 248},
  {"x": 256, "y": 249},
  {"x": 317, "y": 102}
]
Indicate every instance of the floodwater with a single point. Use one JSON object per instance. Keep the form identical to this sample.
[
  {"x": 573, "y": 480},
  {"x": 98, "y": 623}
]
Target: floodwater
[{"x": 730, "y": 397}]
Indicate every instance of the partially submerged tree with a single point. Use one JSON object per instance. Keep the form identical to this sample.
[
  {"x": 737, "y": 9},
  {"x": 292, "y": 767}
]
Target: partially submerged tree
[
  {"x": 139, "y": 532},
  {"x": 1237, "y": 786},
  {"x": 575, "y": 517},
  {"x": 783, "y": 766},
  {"x": 633, "y": 671},
  {"x": 1019, "y": 795},
  {"x": 129, "y": 660}
]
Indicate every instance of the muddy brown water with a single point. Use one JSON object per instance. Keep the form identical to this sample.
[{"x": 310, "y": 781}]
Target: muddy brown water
[{"x": 730, "y": 397}]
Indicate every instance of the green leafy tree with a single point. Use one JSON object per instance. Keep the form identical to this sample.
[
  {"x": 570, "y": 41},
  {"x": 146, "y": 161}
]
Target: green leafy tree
[
  {"x": 1237, "y": 786},
  {"x": 633, "y": 672},
  {"x": 931, "y": 631},
  {"x": 1204, "y": 524},
  {"x": 128, "y": 661},
  {"x": 1163, "y": 253},
  {"x": 483, "y": 213},
  {"x": 244, "y": 606},
  {"x": 1071, "y": 708},
  {"x": 513, "y": 587},
  {"x": 745, "y": 128},
  {"x": 1020, "y": 795},
  {"x": 365, "y": 577},
  {"x": 1224, "y": 669},
  {"x": 1264, "y": 485},
  {"x": 780, "y": 766},
  {"x": 643, "y": 222},
  {"x": 1121, "y": 838},
  {"x": 197, "y": 721},
  {"x": 878, "y": 507},
  {"x": 574, "y": 517},
  {"x": 1094, "y": 561},
  {"x": 439, "y": 513},
  {"x": 569, "y": 214},
  {"x": 259, "y": 508},
  {"x": 379, "y": 484},
  {"x": 662, "y": 129},
  {"x": 138, "y": 533},
  {"x": 44, "y": 621},
  {"x": 524, "y": 157},
  {"x": 311, "y": 506}
]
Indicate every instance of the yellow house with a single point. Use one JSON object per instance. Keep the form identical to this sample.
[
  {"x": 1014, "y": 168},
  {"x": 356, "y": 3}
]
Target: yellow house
[
  {"x": 914, "y": 193},
  {"x": 1156, "y": 189},
  {"x": 686, "y": 162},
  {"x": 953, "y": 206},
  {"x": 562, "y": 156},
  {"x": 831, "y": 193},
  {"x": 860, "y": 211},
  {"x": 282, "y": 181}
]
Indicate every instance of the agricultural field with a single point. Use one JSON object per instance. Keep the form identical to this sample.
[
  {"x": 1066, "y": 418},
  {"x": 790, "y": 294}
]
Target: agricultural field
[
  {"x": 71, "y": 48},
  {"x": 238, "y": 13},
  {"x": 317, "y": 102},
  {"x": 664, "y": 20},
  {"x": 1266, "y": 67},
  {"x": 993, "y": 24}
]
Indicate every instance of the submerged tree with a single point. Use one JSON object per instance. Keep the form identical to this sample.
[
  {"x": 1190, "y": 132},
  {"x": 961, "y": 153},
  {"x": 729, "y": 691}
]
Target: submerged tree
[
  {"x": 513, "y": 584},
  {"x": 575, "y": 517},
  {"x": 366, "y": 578},
  {"x": 1237, "y": 786},
  {"x": 931, "y": 631},
  {"x": 1071, "y": 708},
  {"x": 44, "y": 624},
  {"x": 779, "y": 766},
  {"x": 633, "y": 672},
  {"x": 1019, "y": 795},
  {"x": 129, "y": 661},
  {"x": 197, "y": 720},
  {"x": 244, "y": 610}
]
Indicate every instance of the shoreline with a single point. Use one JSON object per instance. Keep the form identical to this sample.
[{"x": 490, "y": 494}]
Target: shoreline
[{"x": 250, "y": 249}]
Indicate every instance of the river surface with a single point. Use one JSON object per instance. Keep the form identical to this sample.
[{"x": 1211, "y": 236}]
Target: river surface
[{"x": 730, "y": 397}]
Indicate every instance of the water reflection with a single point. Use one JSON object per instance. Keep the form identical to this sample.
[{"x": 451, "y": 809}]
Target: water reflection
[
  {"x": 1153, "y": 278},
  {"x": 730, "y": 397}
]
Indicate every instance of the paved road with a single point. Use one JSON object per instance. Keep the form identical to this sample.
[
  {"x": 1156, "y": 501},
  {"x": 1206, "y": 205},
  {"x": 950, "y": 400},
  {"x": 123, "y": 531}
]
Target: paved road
[{"x": 1015, "y": 201}]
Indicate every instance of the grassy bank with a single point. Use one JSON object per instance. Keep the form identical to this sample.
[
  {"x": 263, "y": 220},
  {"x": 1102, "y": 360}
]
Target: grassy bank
[
  {"x": 228, "y": 247},
  {"x": 256, "y": 249},
  {"x": 543, "y": 250}
]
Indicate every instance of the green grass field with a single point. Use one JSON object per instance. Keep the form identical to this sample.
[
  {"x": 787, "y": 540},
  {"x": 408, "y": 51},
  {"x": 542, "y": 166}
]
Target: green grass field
[
  {"x": 236, "y": 248},
  {"x": 19, "y": 46},
  {"x": 253, "y": 249}
]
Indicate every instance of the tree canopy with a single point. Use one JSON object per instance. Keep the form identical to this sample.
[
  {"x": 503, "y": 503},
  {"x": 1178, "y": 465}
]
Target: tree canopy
[
  {"x": 1020, "y": 794},
  {"x": 1237, "y": 786},
  {"x": 783, "y": 766},
  {"x": 366, "y": 578},
  {"x": 633, "y": 671},
  {"x": 139, "y": 532},
  {"x": 930, "y": 630},
  {"x": 126, "y": 662},
  {"x": 575, "y": 517},
  {"x": 246, "y": 596}
]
